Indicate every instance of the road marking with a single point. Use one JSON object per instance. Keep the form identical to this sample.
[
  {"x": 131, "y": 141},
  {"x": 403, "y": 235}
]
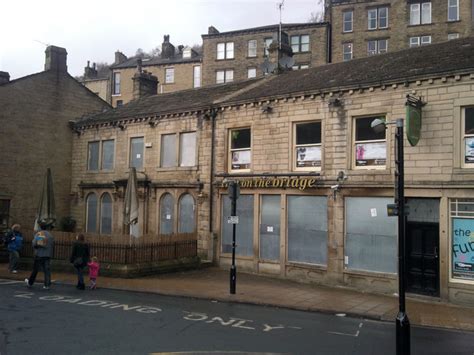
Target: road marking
[
  {"x": 355, "y": 335},
  {"x": 9, "y": 282}
]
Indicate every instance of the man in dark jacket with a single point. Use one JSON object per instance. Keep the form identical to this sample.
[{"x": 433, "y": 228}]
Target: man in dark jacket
[
  {"x": 43, "y": 247},
  {"x": 79, "y": 258},
  {"x": 14, "y": 242}
]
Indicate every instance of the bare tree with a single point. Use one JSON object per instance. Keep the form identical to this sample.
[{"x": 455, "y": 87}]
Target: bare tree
[
  {"x": 103, "y": 69},
  {"x": 197, "y": 48},
  {"x": 318, "y": 15}
]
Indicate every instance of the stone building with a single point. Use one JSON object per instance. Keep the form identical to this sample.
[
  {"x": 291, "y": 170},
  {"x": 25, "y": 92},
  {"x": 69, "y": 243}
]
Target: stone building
[
  {"x": 238, "y": 55},
  {"x": 360, "y": 28},
  {"x": 35, "y": 134},
  {"x": 176, "y": 69},
  {"x": 315, "y": 179},
  {"x": 98, "y": 84}
]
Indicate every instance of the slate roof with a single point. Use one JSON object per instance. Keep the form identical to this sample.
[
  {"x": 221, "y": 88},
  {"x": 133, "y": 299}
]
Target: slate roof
[
  {"x": 268, "y": 28},
  {"x": 178, "y": 59},
  {"x": 436, "y": 60}
]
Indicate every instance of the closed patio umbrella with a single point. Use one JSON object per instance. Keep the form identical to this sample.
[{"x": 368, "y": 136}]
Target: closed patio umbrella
[
  {"x": 46, "y": 208},
  {"x": 130, "y": 206}
]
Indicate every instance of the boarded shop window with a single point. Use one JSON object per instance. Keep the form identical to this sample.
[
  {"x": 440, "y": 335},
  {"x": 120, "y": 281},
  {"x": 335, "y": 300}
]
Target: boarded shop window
[
  {"x": 371, "y": 236},
  {"x": 93, "y": 156},
  {"x": 369, "y": 147},
  {"x": 106, "y": 214},
  {"x": 307, "y": 229},
  {"x": 187, "y": 214},
  {"x": 462, "y": 239},
  {"x": 108, "y": 148},
  {"x": 168, "y": 150},
  {"x": 136, "y": 152},
  {"x": 244, "y": 230},
  {"x": 166, "y": 214},
  {"x": 307, "y": 147},
  {"x": 4, "y": 213},
  {"x": 468, "y": 136},
  {"x": 91, "y": 213},
  {"x": 187, "y": 149},
  {"x": 240, "y": 149}
]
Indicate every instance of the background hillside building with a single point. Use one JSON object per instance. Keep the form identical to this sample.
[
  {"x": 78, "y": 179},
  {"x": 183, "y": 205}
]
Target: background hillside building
[
  {"x": 238, "y": 55},
  {"x": 99, "y": 84},
  {"x": 363, "y": 28},
  {"x": 315, "y": 179},
  {"x": 35, "y": 134}
]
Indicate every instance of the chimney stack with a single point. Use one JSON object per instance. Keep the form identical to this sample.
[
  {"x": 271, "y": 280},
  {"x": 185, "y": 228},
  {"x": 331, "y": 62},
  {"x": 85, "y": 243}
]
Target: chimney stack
[
  {"x": 275, "y": 53},
  {"x": 56, "y": 59},
  {"x": 90, "y": 73},
  {"x": 4, "y": 77},
  {"x": 167, "y": 49},
  {"x": 211, "y": 30},
  {"x": 120, "y": 57},
  {"x": 144, "y": 83}
]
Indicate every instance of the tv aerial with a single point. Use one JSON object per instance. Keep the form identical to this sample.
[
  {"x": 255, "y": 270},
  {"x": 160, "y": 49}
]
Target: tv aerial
[
  {"x": 267, "y": 67},
  {"x": 286, "y": 62}
]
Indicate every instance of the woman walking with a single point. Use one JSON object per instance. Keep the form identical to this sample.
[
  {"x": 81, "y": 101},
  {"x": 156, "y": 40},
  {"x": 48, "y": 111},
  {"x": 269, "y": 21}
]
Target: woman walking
[{"x": 79, "y": 259}]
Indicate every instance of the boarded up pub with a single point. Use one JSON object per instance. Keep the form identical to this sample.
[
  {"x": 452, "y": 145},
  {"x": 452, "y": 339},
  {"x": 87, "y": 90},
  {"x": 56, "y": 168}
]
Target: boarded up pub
[{"x": 315, "y": 178}]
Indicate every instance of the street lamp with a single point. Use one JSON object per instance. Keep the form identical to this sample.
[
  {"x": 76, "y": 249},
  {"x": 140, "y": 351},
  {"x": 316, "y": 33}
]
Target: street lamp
[{"x": 402, "y": 322}]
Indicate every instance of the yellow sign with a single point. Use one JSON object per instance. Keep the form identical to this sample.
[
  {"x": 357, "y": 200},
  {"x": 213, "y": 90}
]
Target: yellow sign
[{"x": 282, "y": 183}]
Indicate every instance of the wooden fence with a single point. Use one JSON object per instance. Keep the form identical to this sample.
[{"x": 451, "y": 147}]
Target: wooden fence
[{"x": 121, "y": 249}]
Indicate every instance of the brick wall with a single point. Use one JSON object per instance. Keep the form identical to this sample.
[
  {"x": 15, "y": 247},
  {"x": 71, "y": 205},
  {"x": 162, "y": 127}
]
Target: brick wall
[{"x": 35, "y": 135}]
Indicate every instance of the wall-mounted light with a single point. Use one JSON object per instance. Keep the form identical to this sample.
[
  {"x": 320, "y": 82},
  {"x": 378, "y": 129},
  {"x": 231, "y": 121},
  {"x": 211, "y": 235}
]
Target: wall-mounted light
[
  {"x": 267, "y": 109},
  {"x": 153, "y": 124},
  {"x": 336, "y": 102}
]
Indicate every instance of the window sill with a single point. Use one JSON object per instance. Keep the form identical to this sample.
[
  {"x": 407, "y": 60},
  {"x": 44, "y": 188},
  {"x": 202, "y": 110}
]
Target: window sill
[
  {"x": 225, "y": 59},
  {"x": 169, "y": 83},
  {"x": 318, "y": 267},
  {"x": 252, "y": 57},
  {"x": 463, "y": 171},
  {"x": 347, "y": 32},
  {"x": 453, "y": 21},
  {"x": 306, "y": 52},
  {"x": 369, "y": 273},
  {"x": 373, "y": 171},
  {"x": 100, "y": 171},
  {"x": 421, "y": 25},
  {"x": 178, "y": 168},
  {"x": 116, "y": 95}
]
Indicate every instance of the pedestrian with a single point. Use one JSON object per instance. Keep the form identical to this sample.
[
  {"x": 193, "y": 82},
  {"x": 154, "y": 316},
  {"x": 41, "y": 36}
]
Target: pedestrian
[
  {"x": 14, "y": 242},
  {"x": 43, "y": 247},
  {"x": 94, "y": 267},
  {"x": 79, "y": 259}
]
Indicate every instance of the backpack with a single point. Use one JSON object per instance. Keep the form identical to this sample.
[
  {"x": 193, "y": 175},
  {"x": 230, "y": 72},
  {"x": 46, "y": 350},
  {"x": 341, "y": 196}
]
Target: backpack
[{"x": 41, "y": 239}]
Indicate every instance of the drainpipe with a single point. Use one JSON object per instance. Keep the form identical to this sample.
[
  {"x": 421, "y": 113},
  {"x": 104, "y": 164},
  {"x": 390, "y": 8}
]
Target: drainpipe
[
  {"x": 329, "y": 33},
  {"x": 213, "y": 115}
]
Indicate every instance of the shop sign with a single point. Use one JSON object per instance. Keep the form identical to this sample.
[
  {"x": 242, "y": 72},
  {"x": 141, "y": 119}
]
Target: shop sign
[
  {"x": 463, "y": 248},
  {"x": 282, "y": 183},
  {"x": 413, "y": 119}
]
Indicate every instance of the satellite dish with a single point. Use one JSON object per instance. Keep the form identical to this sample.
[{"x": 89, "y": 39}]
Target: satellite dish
[
  {"x": 287, "y": 62},
  {"x": 267, "y": 67}
]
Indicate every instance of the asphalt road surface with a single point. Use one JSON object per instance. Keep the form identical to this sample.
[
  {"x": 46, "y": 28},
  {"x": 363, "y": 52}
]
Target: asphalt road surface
[{"x": 64, "y": 320}]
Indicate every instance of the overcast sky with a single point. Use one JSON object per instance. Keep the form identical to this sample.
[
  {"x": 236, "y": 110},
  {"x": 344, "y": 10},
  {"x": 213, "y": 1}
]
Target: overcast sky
[{"x": 94, "y": 30}]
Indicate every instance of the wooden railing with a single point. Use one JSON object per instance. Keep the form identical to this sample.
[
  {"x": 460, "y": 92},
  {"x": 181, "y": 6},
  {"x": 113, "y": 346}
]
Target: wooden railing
[{"x": 122, "y": 249}]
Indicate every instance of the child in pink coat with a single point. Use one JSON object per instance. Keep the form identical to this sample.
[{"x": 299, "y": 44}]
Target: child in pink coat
[{"x": 94, "y": 267}]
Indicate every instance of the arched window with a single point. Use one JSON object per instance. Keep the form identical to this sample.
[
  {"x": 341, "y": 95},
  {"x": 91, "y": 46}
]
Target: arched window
[
  {"x": 166, "y": 214},
  {"x": 91, "y": 213},
  {"x": 186, "y": 214},
  {"x": 106, "y": 214}
]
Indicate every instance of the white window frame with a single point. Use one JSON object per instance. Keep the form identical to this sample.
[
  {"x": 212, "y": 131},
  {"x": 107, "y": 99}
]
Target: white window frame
[
  {"x": 465, "y": 136},
  {"x": 252, "y": 48},
  {"x": 225, "y": 50},
  {"x": 456, "y": 6},
  {"x": 300, "y": 43},
  {"x": 372, "y": 17},
  {"x": 377, "y": 49},
  {"x": 310, "y": 145},
  {"x": 369, "y": 141},
  {"x": 452, "y": 36},
  {"x": 197, "y": 78},
  {"x": 228, "y": 76},
  {"x": 251, "y": 73},
  {"x": 347, "y": 22},
  {"x": 414, "y": 42},
  {"x": 169, "y": 75},
  {"x": 344, "y": 51},
  {"x": 424, "y": 40},
  {"x": 232, "y": 151},
  {"x": 420, "y": 13},
  {"x": 177, "y": 150},
  {"x": 116, "y": 84}
]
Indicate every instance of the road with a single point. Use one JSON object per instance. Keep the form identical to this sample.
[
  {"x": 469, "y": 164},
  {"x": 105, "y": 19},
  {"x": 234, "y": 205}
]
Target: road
[{"x": 64, "y": 320}]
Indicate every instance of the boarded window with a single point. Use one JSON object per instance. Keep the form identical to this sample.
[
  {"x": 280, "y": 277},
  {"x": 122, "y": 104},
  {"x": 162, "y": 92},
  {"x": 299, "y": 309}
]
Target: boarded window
[
  {"x": 136, "y": 152},
  {"x": 307, "y": 229},
  {"x": 106, "y": 214},
  {"x": 187, "y": 149},
  {"x": 270, "y": 228},
  {"x": 244, "y": 230},
  {"x": 187, "y": 214},
  {"x": 91, "y": 213},
  {"x": 168, "y": 150},
  {"x": 166, "y": 214},
  {"x": 93, "y": 156},
  {"x": 371, "y": 236},
  {"x": 108, "y": 155}
]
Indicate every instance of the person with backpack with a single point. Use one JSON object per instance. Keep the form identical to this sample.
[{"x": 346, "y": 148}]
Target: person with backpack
[
  {"x": 14, "y": 243},
  {"x": 43, "y": 247},
  {"x": 79, "y": 259}
]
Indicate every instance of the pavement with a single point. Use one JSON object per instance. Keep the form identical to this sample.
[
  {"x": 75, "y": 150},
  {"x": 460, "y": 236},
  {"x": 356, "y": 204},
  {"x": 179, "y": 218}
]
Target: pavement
[{"x": 213, "y": 283}]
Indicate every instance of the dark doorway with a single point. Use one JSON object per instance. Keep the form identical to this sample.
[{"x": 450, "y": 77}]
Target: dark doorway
[{"x": 423, "y": 258}]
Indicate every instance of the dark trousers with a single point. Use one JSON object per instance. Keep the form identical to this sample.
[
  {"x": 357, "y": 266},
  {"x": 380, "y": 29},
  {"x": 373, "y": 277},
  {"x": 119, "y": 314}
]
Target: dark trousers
[
  {"x": 80, "y": 276},
  {"x": 44, "y": 264},
  {"x": 14, "y": 255}
]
